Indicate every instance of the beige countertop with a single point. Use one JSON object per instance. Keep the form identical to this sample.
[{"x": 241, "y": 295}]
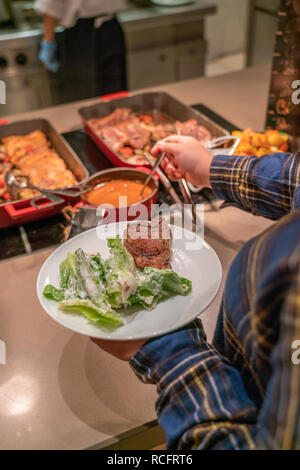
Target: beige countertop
[{"x": 57, "y": 390}]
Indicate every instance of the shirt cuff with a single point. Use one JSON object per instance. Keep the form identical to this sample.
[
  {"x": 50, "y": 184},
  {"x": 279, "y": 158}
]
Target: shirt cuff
[
  {"x": 156, "y": 361},
  {"x": 226, "y": 173}
]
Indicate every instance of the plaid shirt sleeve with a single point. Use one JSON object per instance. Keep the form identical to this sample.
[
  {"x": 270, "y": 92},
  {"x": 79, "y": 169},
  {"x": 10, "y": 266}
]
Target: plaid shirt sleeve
[
  {"x": 204, "y": 397},
  {"x": 244, "y": 394},
  {"x": 202, "y": 402},
  {"x": 265, "y": 186}
]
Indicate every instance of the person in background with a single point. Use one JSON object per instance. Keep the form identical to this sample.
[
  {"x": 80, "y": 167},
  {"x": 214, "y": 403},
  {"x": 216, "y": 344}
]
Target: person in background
[
  {"x": 242, "y": 391},
  {"x": 90, "y": 53}
]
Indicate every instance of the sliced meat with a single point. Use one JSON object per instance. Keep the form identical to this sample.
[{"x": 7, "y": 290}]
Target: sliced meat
[
  {"x": 136, "y": 135},
  {"x": 114, "y": 138},
  {"x": 117, "y": 116},
  {"x": 149, "y": 243},
  {"x": 192, "y": 129},
  {"x": 122, "y": 127},
  {"x": 161, "y": 131},
  {"x": 128, "y": 132},
  {"x": 188, "y": 128},
  {"x": 135, "y": 160}
]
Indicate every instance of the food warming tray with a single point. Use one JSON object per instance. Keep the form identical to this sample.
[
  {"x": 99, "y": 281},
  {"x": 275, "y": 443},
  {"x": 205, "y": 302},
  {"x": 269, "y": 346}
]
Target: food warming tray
[
  {"x": 20, "y": 211},
  {"x": 143, "y": 103}
]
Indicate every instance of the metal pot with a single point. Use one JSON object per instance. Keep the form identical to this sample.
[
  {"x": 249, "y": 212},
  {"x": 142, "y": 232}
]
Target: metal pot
[{"x": 139, "y": 210}]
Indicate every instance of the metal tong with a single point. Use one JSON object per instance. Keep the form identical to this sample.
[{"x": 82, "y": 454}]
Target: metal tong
[
  {"x": 168, "y": 186},
  {"x": 17, "y": 182},
  {"x": 154, "y": 167}
]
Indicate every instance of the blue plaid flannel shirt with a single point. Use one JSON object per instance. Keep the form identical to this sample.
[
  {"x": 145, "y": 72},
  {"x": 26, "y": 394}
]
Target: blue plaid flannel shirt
[{"x": 242, "y": 392}]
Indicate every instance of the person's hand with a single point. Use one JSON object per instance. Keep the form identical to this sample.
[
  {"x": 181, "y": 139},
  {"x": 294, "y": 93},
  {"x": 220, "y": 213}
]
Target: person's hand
[
  {"x": 47, "y": 56},
  {"x": 185, "y": 158},
  {"x": 123, "y": 350}
]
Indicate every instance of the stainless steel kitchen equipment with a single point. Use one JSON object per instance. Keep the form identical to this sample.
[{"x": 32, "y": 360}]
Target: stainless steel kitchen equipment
[
  {"x": 261, "y": 31},
  {"x": 27, "y": 83},
  {"x": 165, "y": 44}
]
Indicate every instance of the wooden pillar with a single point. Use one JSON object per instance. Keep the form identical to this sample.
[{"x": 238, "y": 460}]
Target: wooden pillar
[{"x": 284, "y": 108}]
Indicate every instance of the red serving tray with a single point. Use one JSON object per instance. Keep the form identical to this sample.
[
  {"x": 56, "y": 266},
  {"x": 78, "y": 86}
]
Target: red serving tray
[
  {"x": 21, "y": 212},
  {"x": 142, "y": 102}
]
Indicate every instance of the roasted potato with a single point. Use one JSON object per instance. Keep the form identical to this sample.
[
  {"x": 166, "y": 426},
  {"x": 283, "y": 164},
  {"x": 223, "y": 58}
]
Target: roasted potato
[{"x": 261, "y": 143}]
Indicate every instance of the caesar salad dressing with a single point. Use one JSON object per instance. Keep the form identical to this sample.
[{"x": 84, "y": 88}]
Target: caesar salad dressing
[
  {"x": 91, "y": 287},
  {"x": 126, "y": 281},
  {"x": 129, "y": 285},
  {"x": 142, "y": 277},
  {"x": 86, "y": 275},
  {"x": 75, "y": 289}
]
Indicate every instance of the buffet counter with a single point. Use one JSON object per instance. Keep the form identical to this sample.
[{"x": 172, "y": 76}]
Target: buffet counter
[{"x": 57, "y": 390}]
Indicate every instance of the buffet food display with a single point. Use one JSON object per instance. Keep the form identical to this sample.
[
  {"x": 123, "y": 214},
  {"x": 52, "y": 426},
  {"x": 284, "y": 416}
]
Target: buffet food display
[
  {"x": 261, "y": 143},
  {"x": 131, "y": 134},
  {"x": 33, "y": 156},
  {"x": 125, "y": 129},
  {"x": 34, "y": 149}
]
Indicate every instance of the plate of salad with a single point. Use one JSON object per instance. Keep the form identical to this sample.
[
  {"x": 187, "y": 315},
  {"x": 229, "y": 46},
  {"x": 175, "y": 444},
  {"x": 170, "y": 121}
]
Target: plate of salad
[{"x": 93, "y": 285}]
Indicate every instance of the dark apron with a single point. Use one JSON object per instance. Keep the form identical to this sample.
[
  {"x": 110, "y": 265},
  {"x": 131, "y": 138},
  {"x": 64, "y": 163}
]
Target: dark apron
[{"x": 92, "y": 60}]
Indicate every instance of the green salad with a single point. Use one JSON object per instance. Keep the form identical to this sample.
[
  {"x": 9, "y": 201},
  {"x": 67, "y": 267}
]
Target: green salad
[{"x": 98, "y": 288}]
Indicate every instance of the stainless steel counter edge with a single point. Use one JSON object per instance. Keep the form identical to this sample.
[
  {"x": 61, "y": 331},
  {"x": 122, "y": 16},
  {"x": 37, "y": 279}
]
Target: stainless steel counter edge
[
  {"x": 134, "y": 19},
  {"x": 155, "y": 16}
]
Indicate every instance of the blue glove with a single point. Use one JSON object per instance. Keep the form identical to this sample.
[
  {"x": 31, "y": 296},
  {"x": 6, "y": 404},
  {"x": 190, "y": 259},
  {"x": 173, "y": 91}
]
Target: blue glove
[{"x": 47, "y": 56}]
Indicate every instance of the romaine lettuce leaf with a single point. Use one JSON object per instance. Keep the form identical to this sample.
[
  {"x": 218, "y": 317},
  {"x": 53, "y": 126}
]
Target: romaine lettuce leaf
[
  {"x": 120, "y": 274},
  {"x": 92, "y": 312},
  {"x": 90, "y": 277},
  {"x": 175, "y": 284},
  {"x": 82, "y": 289},
  {"x": 157, "y": 283},
  {"x": 52, "y": 293},
  {"x": 70, "y": 282}
]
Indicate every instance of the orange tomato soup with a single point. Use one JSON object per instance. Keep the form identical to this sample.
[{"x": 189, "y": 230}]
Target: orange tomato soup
[{"x": 110, "y": 193}]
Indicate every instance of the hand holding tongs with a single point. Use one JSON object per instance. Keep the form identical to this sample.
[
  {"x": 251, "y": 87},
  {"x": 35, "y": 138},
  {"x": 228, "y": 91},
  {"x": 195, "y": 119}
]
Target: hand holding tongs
[{"x": 17, "y": 182}]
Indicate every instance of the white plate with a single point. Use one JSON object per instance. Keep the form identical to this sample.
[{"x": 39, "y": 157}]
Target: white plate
[
  {"x": 172, "y": 3},
  {"x": 201, "y": 266}
]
